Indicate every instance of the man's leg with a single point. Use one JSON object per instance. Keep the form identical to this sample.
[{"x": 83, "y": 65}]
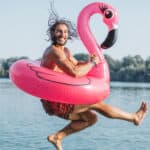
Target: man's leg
[
  {"x": 116, "y": 113},
  {"x": 78, "y": 122}
]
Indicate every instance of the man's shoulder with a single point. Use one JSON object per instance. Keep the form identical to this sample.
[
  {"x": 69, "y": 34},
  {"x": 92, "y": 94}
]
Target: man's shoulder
[{"x": 51, "y": 49}]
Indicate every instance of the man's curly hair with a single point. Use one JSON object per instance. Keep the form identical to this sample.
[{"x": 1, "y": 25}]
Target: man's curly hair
[{"x": 54, "y": 20}]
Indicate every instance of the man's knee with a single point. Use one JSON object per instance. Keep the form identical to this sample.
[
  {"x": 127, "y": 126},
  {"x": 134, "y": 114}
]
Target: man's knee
[
  {"x": 94, "y": 118},
  {"x": 90, "y": 117}
]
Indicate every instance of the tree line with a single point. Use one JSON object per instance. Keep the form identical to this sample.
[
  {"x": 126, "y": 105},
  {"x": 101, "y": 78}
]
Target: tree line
[
  {"x": 128, "y": 69},
  {"x": 6, "y": 63}
]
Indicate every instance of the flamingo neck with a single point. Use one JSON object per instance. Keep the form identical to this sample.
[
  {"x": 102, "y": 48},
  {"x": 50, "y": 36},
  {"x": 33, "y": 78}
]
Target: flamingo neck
[{"x": 85, "y": 32}]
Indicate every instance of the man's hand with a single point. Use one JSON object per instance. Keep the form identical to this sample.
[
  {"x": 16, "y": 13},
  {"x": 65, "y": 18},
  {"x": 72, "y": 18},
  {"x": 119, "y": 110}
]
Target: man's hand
[{"x": 95, "y": 59}]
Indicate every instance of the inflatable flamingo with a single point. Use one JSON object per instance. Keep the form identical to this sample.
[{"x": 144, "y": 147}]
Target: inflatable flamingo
[{"x": 55, "y": 86}]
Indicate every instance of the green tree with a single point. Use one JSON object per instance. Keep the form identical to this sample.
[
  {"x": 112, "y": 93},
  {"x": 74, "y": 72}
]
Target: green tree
[
  {"x": 81, "y": 57},
  {"x": 147, "y": 69},
  {"x": 6, "y": 63}
]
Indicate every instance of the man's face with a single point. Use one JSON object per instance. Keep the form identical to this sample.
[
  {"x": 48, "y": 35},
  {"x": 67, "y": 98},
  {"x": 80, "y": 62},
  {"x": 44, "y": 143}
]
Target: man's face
[{"x": 61, "y": 34}]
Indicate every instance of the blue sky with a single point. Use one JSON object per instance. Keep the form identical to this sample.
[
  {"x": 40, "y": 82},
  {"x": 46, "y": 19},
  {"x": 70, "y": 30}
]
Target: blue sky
[{"x": 23, "y": 25}]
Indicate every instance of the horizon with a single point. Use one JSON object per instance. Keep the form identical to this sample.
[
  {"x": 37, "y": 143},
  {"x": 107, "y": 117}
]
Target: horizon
[{"x": 1, "y": 58}]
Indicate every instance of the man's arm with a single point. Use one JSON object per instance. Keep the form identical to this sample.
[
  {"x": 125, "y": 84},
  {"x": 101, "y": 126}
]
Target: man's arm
[
  {"x": 74, "y": 60},
  {"x": 76, "y": 70}
]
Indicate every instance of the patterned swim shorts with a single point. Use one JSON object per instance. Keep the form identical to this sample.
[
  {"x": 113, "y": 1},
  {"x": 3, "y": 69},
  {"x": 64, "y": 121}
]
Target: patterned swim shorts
[{"x": 59, "y": 109}]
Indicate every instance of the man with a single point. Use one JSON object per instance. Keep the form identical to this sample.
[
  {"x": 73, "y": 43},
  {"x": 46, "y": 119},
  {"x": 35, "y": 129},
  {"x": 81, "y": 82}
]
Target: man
[{"x": 58, "y": 58}]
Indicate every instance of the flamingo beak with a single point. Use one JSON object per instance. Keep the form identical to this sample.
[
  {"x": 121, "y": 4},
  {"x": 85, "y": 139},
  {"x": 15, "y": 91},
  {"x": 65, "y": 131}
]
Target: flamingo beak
[{"x": 110, "y": 39}]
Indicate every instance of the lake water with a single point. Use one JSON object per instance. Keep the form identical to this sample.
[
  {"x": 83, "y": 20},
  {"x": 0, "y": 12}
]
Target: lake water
[{"x": 25, "y": 126}]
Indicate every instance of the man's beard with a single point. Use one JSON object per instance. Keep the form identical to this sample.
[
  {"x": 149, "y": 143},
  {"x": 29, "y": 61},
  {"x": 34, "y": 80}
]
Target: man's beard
[{"x": 57, "y": 42}]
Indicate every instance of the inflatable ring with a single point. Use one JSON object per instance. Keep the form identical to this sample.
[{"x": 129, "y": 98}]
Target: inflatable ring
[{"x": 59, "y": 87}]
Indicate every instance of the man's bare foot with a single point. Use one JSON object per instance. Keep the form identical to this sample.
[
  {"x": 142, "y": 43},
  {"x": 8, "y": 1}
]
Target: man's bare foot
[
  {"x": 140, "y": 114},
  {"x": 55, "y": 141}
]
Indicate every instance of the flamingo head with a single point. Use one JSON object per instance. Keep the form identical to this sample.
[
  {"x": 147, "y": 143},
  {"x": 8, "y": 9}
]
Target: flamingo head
[{"x": 110, "y": 16}]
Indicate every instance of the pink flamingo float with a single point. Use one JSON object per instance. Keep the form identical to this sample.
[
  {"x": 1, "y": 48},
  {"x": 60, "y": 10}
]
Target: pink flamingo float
[{"x": 55, "y": 86}]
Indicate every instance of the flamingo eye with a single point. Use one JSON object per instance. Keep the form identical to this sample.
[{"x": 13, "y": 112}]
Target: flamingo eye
[{"x": 108, "y": 13}]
